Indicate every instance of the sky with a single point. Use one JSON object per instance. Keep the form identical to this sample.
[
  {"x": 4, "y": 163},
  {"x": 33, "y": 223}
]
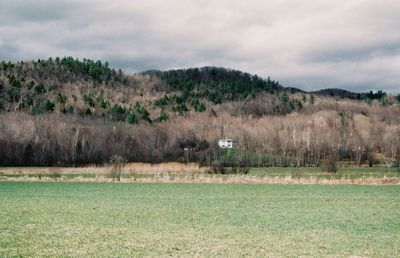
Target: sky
[{"x": 313, "y": 44}]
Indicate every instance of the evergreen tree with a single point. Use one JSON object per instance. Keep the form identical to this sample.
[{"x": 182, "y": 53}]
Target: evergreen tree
[{"x": 284, "y": 98}]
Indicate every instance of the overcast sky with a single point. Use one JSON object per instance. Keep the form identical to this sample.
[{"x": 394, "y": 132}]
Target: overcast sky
[{"x": 312, "y": 44}]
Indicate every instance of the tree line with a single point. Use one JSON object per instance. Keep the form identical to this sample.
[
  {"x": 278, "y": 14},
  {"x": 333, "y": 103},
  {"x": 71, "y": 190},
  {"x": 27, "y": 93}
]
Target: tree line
[{"x": 351, "y": 132}]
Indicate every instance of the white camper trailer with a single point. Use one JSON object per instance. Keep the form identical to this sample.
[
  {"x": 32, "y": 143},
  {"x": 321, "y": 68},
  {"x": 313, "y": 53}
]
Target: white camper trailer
[{"x": 226, "y": 143}]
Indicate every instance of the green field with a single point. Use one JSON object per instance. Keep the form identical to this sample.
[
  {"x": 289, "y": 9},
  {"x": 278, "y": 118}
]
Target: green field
[{"x": 114, "y": 219}]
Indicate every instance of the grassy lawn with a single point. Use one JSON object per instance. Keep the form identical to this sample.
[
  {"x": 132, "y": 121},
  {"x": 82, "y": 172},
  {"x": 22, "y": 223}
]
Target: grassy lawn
[{"x": 111, "y": 219}]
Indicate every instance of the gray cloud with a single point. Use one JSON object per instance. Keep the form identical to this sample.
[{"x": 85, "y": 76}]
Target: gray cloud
[
  {"x": 311, "y": 45},
  {"x": 20, "y": 11}
]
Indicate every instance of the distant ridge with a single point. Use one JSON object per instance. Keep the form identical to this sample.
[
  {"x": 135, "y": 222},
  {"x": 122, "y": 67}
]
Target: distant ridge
[
  {"x": 335, "y": 92},
  {"x": 329, "y": 92}
]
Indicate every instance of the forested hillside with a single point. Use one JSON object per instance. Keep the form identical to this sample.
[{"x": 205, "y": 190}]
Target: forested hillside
[{"x": 64, "y": 111}]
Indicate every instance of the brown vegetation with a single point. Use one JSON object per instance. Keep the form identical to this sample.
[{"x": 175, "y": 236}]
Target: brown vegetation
[
  {"x": 233, "y": 179},
  {"x": 330, "y": 127},
  {"x": 270, "y": 128},
  {"x": 129, "y": 168}
]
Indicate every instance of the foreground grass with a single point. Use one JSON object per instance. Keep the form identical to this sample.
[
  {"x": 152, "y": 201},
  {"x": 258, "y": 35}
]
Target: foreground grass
[{"x": 107, "y": 219}]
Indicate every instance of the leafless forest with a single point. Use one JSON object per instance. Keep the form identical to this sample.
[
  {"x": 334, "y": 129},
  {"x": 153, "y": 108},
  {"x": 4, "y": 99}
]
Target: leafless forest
[{"x": 352, "y": 131}]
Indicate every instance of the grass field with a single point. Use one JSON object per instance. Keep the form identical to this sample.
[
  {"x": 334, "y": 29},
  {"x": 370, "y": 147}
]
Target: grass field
[{"x": 112, "y": 219}]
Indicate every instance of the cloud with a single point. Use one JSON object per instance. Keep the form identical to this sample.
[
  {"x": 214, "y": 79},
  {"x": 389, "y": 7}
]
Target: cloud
[
  {"x": 20, "y": 11},
  {"x": 308, "y": 44}
]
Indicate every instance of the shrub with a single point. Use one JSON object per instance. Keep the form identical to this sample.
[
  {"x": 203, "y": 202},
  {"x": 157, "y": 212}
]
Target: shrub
[
  {"x": 239, "y": 170},
  {"x": 119, "y": 112},
  {"x": 30, "y": 85},
  {"x": 368, "y": 101},
  {"x": 220, "y": 169},
  {"x": 162, "y": 101},
  {"x": 37, "y": 110},
  {"x": 104, "y": 104},
  {"x": 49, "y": 106},
  {"x": 118, "y": 163},
  {"x": 312, "y": 99},
  {"x": 373, "y": 158},
  {"x": 62, "y": 99},
  {"x": 217, "y": 169},
  {"x": 118, "y": 109},
  {"x": 39, "y": 89},
  {"x": 132, "y": 119},
  {"x": 243, "y": 170},
  {"x": 143, "y": 112},
  {"x": 14, "y": 94},
  {"x": 277, "y": 110},
  {"x": 295, "y": 104},
  {"x": 55, "y": 173},
  {"x": 88, "y": 100},
  {"x": 180, "y": 108},
  {"x": 70, "y": 109},
  {"x": 162, "y": 117},
  {"x": 200, "y": 107},
  {"x": 26, "y": 101},
  {"x": 330, "y": 164},
  {"x": 284, "y": 98}
]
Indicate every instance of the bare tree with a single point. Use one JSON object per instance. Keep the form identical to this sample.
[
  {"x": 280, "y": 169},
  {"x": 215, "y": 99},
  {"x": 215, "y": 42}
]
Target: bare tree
[{"x": 391, "y": 140}]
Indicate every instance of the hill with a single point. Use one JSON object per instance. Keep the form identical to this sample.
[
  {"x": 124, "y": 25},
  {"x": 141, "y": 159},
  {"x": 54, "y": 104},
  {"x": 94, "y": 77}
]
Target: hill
[
  {"x": 67, "y": 85},
  {"x": 87, "y": 87},
  {"x": 67, "y": 111}
]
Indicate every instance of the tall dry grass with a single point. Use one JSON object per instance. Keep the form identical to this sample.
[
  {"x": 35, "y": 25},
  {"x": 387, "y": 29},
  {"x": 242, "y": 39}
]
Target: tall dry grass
[
  {"x": 234, "y": 179},
  {"x": 165, "y": 168},
  {"x": 130, "y": 168}
]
